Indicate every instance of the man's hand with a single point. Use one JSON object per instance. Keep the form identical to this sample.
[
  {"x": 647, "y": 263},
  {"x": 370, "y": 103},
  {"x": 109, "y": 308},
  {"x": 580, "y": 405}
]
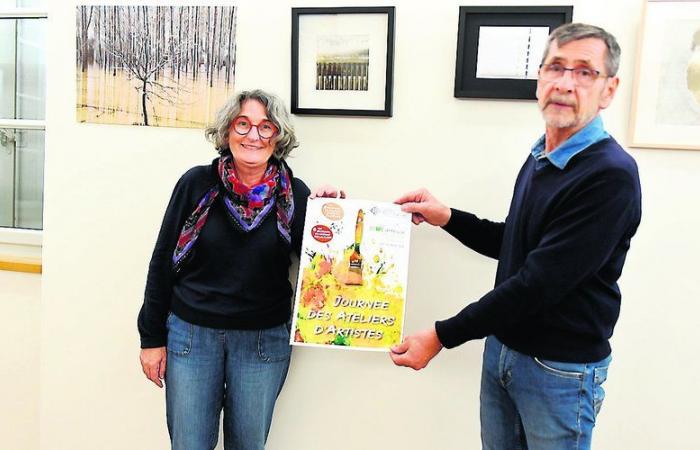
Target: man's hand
[
  {"x": 327, "y": 190},
  {"x": 417, "y": 350},
  {"x": 153, "y": 362},
  {"x": 424, "y": 207}
]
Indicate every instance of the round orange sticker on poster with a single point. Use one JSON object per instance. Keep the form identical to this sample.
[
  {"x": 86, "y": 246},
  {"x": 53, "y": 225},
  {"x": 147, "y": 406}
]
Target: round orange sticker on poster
[
  {"x": 332, "y": 211},
  {"x": 321, "y": 233}
]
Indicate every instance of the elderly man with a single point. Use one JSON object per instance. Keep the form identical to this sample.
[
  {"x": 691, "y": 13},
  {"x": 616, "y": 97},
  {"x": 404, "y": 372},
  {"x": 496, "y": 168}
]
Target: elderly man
[{"x": 575, "y": 207}]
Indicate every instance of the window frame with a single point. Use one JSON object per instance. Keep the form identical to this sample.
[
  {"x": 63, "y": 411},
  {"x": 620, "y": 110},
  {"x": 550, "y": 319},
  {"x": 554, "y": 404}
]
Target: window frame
[{"x": 22, "y": 241}]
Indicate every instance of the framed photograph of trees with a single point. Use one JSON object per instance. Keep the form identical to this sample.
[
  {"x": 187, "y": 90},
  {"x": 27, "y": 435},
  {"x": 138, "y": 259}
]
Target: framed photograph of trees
[
  {"x": 167, "y": 66},
  {"x": 343, "y": 61},
  {"x": 499, "y": 49}
]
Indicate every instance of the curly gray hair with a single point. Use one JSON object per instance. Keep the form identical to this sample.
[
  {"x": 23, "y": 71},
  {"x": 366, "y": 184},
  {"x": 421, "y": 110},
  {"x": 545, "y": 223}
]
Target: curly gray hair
[
  {"x": 286, "y": 140},
  {"x": 577, "y": 31}
]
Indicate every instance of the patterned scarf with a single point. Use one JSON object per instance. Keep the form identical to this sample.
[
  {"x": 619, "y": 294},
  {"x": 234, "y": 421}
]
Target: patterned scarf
[{"x": 248, "y": 206}]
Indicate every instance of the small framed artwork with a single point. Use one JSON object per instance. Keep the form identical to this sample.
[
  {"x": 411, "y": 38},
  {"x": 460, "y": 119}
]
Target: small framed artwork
[
  {"x": 666, "y": 92},
  {"x": 343, "y": 61},
  {"x": 499, "y": 49}
]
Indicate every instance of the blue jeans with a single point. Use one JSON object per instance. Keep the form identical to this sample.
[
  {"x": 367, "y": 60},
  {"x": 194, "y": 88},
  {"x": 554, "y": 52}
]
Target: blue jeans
[
  {"x": 536, "y": 404},
  {"x": 241, "y": 371}
]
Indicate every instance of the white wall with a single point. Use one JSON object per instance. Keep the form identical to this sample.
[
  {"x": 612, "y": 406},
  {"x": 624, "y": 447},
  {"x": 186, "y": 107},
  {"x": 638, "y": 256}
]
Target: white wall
[
  {"x": 20, "y": 294},
  {"x": 107, "y": 186}
]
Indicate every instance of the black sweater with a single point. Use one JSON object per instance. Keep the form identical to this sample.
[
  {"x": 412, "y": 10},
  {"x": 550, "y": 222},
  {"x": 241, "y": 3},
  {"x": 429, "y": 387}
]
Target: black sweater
[
  {"x": 232, "y": 279},
  {"x": 560, "y": 253}
]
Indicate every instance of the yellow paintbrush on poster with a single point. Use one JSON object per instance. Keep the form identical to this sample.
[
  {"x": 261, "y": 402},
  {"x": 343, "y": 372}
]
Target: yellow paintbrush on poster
[{"x": 353, "y": 271}]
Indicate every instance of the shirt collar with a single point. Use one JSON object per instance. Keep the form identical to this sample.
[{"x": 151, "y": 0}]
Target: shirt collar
[{"x": 585, "y": 137}]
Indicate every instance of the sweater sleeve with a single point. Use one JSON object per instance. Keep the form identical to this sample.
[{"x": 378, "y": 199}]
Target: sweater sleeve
[
  {"x": 586, "y": 230},
  {"x": 481, "y": 235},
  {"x": 301, "y": 197},
  {"x": 159, "y": 282}
]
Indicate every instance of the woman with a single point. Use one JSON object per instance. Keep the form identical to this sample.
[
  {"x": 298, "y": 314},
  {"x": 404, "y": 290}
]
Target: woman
[{"x": 217, "y": 301}]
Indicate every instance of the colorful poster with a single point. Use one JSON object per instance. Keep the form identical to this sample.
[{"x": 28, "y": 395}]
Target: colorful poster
[{"x": 353, "y": 272}]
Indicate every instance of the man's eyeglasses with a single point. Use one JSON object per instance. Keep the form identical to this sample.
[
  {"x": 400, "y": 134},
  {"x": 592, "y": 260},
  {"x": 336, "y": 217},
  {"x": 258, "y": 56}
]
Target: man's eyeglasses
[
  {"x": 266, "y": 128},
  {"x": 583, "y": 76}
]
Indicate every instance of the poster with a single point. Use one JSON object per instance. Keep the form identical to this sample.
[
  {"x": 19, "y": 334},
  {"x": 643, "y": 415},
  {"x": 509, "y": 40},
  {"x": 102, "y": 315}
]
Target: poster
[{"x": 353, "y": 272}]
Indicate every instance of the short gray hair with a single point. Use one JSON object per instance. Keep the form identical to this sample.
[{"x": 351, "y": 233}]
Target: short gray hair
[
  {"x": 577, "y": 31},
  {"x": 217, "y": 132}
]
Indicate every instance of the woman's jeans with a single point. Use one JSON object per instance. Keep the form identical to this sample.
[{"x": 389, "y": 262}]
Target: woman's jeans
[
  {"x": 536, "y": 404},
  {"x": 241, "y": 371}
]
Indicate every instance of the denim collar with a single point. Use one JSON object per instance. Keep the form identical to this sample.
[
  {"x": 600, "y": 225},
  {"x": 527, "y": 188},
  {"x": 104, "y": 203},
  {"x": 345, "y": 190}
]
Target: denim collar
[{"x": 581, "y": 140}]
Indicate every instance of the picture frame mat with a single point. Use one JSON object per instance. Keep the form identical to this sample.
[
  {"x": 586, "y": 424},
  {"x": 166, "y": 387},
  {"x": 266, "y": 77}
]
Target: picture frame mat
[{"x": 311, "y": 26}]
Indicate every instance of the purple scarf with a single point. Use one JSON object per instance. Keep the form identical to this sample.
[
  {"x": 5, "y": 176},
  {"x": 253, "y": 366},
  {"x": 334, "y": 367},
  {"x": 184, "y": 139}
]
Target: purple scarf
[{"x": 247, "y": 205}]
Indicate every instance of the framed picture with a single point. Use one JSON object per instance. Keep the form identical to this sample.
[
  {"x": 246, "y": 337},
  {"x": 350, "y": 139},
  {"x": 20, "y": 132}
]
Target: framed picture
[
  {"x": 153, "y": 65},
  {"x": 343, "y": 61},
  {"x": 499, "y": 49},
  {"x": 666, "y": 96}
]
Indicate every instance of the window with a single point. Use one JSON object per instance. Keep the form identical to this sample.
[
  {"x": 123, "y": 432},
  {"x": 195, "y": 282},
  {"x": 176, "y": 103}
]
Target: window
[{"x": 22, "y": 112}]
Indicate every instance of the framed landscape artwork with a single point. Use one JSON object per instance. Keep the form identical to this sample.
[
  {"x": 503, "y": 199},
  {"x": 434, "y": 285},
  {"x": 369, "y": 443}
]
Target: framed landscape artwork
[
  {"x": 343, "y": 61},
  {"x": 170, "y": 66}
]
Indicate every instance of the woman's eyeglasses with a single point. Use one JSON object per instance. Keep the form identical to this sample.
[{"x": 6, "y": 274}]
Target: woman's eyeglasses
[{"x": 266, "y": 128}]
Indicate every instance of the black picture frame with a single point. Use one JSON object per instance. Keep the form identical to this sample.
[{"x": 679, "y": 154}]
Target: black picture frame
[
  {"x": 471, "y": 18},
  {"x": 374, "y": 101}
]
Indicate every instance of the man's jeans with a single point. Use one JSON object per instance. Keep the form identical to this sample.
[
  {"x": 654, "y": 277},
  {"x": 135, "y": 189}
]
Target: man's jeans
[
  {"x": 240, "y": 370},
  {"x": 536, "y": 404}
]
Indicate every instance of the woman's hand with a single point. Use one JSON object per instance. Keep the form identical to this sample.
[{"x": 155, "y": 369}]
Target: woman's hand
[
  {"x": 327, "y": 190},
  {"x": 153, "y": 362}
]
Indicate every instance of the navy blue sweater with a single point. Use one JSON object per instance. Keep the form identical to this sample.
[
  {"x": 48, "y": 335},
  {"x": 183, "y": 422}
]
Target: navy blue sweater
[
  {"x": 560, "y": 253},
  {"x": 231, "y": 279}
]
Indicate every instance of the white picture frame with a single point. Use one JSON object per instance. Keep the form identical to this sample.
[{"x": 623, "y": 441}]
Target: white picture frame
[{"x": 665, "y": 110}]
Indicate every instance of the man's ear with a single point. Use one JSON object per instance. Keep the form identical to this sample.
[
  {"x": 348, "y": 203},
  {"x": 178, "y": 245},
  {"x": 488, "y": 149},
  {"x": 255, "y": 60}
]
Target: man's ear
[{"x": 609, "y": 90}]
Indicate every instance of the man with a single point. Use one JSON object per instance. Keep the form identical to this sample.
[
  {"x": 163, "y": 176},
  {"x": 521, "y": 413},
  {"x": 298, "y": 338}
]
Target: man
[{"x": 575, "y": 207}]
